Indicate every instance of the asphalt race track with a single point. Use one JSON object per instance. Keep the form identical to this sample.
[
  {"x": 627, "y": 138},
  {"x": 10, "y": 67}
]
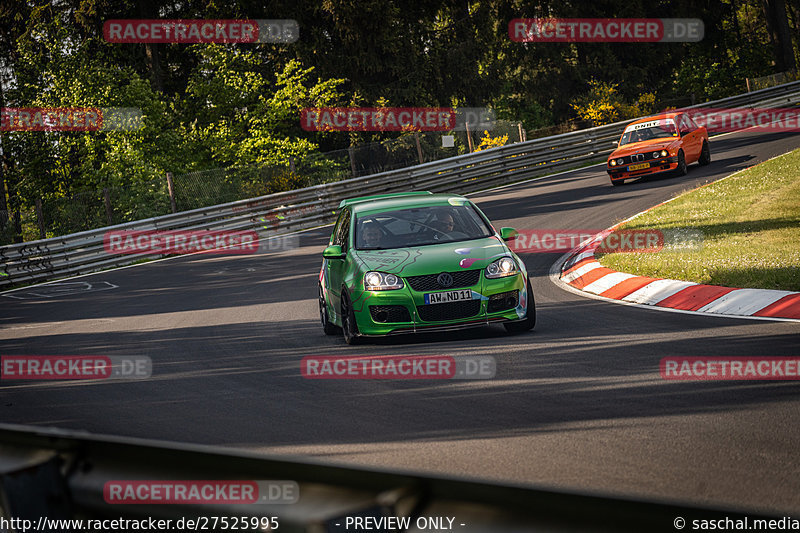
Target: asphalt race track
[{"x": 577, "y": 404}]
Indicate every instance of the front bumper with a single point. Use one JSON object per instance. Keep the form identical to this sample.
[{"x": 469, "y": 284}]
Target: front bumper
[
  {"x": 664, "y": 164},
  {"x": 420, "y": 317}
]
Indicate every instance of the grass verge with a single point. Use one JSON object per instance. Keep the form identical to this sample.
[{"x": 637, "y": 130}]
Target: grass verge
[{"x": 750, "y": 228}]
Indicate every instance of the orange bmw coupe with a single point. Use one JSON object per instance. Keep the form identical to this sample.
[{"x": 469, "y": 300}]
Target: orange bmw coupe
[{"x": 668, "y": 142}]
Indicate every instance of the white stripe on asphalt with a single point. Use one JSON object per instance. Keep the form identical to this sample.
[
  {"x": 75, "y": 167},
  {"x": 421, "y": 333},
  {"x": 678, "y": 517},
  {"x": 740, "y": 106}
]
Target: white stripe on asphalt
[
  {"x": 654, "y": 292},
  {"x": 607, "y": 281},
  {"x": 575, "y": 274},
  {"x": 744, "y": 301}
]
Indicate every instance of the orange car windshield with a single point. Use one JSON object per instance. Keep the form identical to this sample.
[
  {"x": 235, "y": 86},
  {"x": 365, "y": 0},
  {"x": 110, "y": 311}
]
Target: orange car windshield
[{"x": 645, "y": 131}]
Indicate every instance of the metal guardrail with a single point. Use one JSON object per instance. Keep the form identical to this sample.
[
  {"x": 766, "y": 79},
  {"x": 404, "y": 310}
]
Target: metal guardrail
[
  {"x": 46, "y": 472},
  {"x": 284, "y": 212}
]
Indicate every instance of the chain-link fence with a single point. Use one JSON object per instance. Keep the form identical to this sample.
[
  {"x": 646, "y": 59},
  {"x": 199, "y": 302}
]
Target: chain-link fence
[
  {"x": 93, "y": 209},
  {"x": 754, "y": 84},
  {"x": 51, "y": 217},
  {"x": 421, "y": 147},
  {"x": 85, "y": 210}
]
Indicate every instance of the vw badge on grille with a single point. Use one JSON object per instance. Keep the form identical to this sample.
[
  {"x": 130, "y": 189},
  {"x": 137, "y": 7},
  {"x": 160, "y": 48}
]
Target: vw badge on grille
[{"x": 444, "y": 279}]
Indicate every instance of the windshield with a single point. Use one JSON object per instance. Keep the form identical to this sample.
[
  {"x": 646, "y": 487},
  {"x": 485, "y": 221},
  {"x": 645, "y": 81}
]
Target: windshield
[
  {"x": 646, "y": 131},
  {"x": 419, "y": 226}
]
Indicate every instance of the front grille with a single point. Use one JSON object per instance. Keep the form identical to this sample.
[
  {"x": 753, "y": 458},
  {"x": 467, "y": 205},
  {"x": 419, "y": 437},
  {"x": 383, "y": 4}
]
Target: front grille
[
  {"x": 463, "y": 278},
  {"x": 503, "y": 301},
  {"x": 449, "y": 311},
  {"x": 389, "y": 313},
  {"x": 640, "y": 158}
]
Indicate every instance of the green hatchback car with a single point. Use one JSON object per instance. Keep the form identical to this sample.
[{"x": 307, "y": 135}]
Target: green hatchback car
[{"x": 414, "y": 262}]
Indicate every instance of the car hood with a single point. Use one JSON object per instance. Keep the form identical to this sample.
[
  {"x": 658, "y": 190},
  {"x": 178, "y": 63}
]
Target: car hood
[
  {"x": 433, "y": 258},
  {"x": 644, "y": 146}
]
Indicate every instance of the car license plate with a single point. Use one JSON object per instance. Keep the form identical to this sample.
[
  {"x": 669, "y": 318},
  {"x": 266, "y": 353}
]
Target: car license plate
[
  {"x": 640, "y": 166},
  {"x": 449, "y": 296}
]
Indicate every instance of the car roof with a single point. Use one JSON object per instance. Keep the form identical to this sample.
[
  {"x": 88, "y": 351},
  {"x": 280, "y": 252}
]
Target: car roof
[
  {"x": 670, "y": 114},
  {"x": 350, "y": 201},
  {"x": 389, "y": 203}
]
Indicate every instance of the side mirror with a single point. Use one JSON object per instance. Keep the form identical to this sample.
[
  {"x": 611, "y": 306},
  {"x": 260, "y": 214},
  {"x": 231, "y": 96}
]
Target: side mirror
[
  {"x": 333, "y": 252},
  {"x": 508, "y": 233},
  {"x": 615, "y": 143}
]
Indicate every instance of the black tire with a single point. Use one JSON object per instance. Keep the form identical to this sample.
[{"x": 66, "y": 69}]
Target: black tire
[
  {"x": 681, "y": 170},
  {"x": 349, "y": 325},
  {"x": 327, "y": 326},
  {"x": 529, "y": 321},
  {"x": 617, "y": 183},
  {"x": 705, "y": 155}
]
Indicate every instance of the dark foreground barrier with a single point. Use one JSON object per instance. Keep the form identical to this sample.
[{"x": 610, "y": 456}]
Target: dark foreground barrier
[{"x": 48, "y": 475}]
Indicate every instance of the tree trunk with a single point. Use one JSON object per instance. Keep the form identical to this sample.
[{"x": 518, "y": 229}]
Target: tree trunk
[
  {"x": 3, "y": 203},
  {"x": 146, "y": 10},
  {"x": 778, "y": 29}
]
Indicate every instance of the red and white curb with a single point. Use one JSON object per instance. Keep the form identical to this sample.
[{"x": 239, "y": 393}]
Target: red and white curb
[{"x": 581, "y": 271}]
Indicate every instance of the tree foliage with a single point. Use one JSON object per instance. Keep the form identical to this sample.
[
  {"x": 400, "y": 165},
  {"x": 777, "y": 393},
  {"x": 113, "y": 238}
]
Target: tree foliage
[{"x": 209, "y": 106}]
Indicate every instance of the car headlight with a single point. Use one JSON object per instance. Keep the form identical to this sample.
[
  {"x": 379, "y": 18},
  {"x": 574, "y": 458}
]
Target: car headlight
[
  {"x": 664, "y": 153},
  {"x": 381, "y": 281},
  {"x": 655, "y": 154},
  {"x": 620, "y": 161},
  {"x": 612, "y": 163},
  {"x": 505, "y": 266}
]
